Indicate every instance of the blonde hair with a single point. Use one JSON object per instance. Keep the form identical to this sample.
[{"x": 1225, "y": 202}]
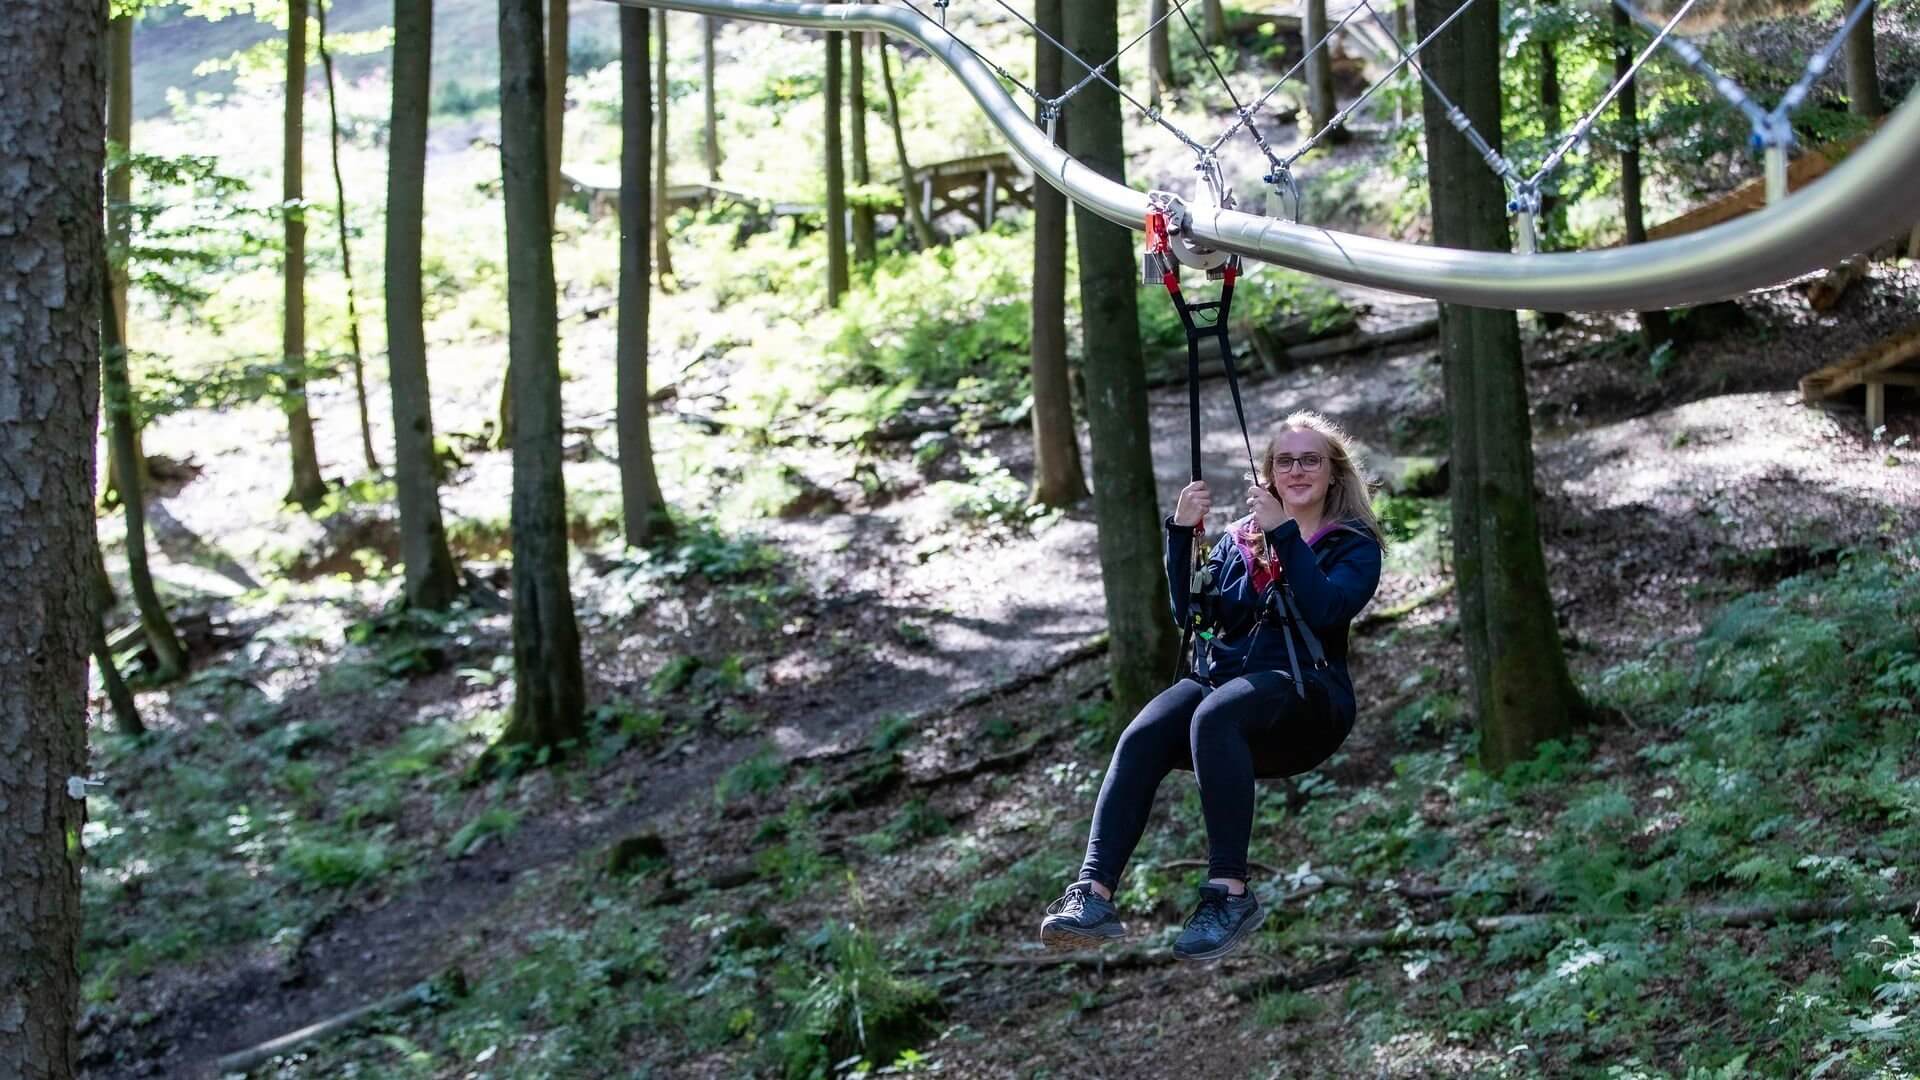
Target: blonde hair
[{"x": 1349, "y": 489}]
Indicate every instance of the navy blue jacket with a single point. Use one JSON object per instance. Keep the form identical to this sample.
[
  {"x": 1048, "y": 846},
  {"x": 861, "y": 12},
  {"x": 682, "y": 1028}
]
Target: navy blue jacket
[{"x": 1331, "y": 581}]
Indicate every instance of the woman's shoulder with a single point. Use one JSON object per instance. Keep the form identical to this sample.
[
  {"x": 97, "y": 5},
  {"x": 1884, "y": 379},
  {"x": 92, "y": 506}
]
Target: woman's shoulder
[{"x": 1353, "y": 535}]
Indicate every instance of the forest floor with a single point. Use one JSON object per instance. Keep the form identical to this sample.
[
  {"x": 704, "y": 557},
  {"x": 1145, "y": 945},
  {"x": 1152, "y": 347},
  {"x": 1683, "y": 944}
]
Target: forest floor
[{"x": 874, "y": 714}]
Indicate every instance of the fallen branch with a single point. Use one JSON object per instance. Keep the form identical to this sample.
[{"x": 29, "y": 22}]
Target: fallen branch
[
  {"x": 1724, "y": 914},
  {"x": 1376, "y": 619},
  {"x": 1330, "y": 879},
  {"x": 1363, "y": 341},
  {"x": 247, "y": 1060},
  {"x": 1295, "y": 981},
  {"x": 1086, "y": 650}
]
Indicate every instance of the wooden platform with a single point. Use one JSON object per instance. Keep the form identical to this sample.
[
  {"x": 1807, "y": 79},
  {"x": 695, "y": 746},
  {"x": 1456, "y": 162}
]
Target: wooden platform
[
  {"x": 1891, "y": 361},
  {"x": 1752, "y": 195}
]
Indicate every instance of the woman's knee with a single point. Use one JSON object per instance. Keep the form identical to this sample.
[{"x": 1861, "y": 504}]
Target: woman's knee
[{"x": 1216, "y": 722}]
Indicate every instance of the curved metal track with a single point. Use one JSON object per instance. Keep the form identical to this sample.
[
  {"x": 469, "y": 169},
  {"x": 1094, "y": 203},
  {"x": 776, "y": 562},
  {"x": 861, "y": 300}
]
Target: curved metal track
[{"x": 1869, "y": 197}]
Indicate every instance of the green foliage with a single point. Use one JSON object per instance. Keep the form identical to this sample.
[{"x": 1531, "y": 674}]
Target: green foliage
[
  {"x": 322, "y": 863},
  {"x": 849, "y": 1001},
  {"x": 493, "y": 821},
  {"x": 757, "y": 775}
]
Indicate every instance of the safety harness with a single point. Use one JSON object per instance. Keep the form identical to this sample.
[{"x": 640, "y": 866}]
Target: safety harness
[{"x": 1169, "y": 245}]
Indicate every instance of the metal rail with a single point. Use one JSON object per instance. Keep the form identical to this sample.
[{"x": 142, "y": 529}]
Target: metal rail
[{"x": 1869, "y": 197}]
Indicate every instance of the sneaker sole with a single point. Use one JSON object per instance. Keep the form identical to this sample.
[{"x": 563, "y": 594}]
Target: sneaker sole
[
  {"x": 1065, "y": 939},
  {"x": 1246, "y": 930}
]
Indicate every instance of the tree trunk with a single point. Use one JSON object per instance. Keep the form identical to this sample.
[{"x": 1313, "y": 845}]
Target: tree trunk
[
  {"x": 1216, "y": 21},
  {"x": 836, "y": 180},
  {"x": 549, "y": 690},
  {"x": 711, "y": 24},
  {"x": 662, "y": 255},
  {"x": 1553, "y": 214},
  {"x": 53, "y": 84},
  {"x": 863, "y": 240},
  {"x": 119, "y": 195},
  {"x": 922, "y": 228},
  {"x": 1159, "y": 52},
  {"x": 1655, "y": 326},
  {"x": 643, "y": 508},
  {"x": 431, "y": 581},
  {"x": 1522, "y": 692},
  {"x": 1057, "y": 479},
  {"x": 307, "y": 488},
  {"x": 170, "y": 660},
  {"x": 1125, "y": 501},
  {"x": 356, "y": 358},
  {"x": 1863, "y": 74},
  {"x": 557, "y": 26},
  {"x": 1320, "y": 102}
]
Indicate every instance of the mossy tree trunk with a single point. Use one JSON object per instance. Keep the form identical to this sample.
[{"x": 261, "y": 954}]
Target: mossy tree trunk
[
  {"x": 643, "y": 507},
  {"x": 52, "y": 249},
  {"x": 662, "y": 251},
  {"x": 837, "y": 281},
  {"x": 1057, "y": 477},
  {"x": 922, "y": 228},
  {"x": 557, "y": 27},
  {"x": 1863, "y": 73},
  {"x": 863, "y": 239},
  {"x": 1522, "y": 692},
  {"x": 307, "y": 488},
  {"x": 356, "y": 355},
  {"x": 1216, "y": 21},
  {"x": 170, "y": 660},
  {"x": 549, "y": 688},
  {"x": 1125, "y": 501},
  {"x": 431, "y": 582},
  {"x": 1159, "y": 52},
  {"x": 709, "y": 25},
  {"x": 119, "y": 220},
  {"x": 1656, "y": 328},
  {"x": 1319, "y": 73}
]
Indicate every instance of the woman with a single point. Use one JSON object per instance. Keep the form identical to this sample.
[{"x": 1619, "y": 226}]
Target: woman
[{"x": 1310, "y": 533}]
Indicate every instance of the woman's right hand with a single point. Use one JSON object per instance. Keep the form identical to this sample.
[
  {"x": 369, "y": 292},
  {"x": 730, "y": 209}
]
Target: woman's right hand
[{"x": 1194, "y": 503}]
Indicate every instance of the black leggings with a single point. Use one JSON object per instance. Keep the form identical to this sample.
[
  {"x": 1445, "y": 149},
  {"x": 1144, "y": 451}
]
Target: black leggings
[{"x": 1255, "y": 725}]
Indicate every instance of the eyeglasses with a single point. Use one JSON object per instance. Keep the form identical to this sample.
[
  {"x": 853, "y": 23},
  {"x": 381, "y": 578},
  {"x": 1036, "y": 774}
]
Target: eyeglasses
[{"x": 1284, "y": 463}]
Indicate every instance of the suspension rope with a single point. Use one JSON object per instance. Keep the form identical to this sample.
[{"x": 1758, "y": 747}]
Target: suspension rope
[
  {"x": 1579, "y": 131},
  {"x": 1455, "y": 114},
  {"x": 1341, "y": 116},
  {"x": 1261, "y": 101},
  {"x": 1099, "y": 73},
  {"x": 991, "y": 63}
]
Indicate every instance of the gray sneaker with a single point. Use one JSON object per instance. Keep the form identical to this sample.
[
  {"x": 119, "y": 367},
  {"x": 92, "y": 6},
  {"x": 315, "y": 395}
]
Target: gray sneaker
[
  {"x": 1219, "y": 924},
  {"x": 1080, "y": 918}
]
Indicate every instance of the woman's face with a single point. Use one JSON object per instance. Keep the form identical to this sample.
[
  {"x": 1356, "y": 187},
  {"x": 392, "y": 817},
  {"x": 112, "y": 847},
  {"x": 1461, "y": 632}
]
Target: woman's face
[{"x": 1301, "y": 488}]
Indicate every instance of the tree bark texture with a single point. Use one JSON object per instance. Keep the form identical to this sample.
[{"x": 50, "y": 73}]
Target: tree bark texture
[
  {"x": 431, "y": 581},
  {"x": 119, "y": 195},
  {"x": 1863, "y": 73},
  {"x": 357, "y": 355},
  {"x": 1057, "y": 477},
  {"x": 557, "y": 26},
  {"x": 1553, "y": 213},
  {"x": 307, "y": 488},
  {"x": 1125, "y": 501},
  {"x": 922, "y": 228},
  {"x": 170, "y": 660},
  {"x": 549, "y": 690},
  {"x": 52, "y": 246},
  {"x": 712, "y": 142},
  {"x": 1522, "y": 692},
  {"x": 863, "y": 239},
  {"x": 1320, "y": 101},
  {"x": 643, "y": 508},
  {"x": 1655, "y": 326},
  {"x": 662, "y": 253},
  {"x": 1159, "y": 52},
  {"x": 1215, "y": 15},
  {"x": 836, "y": 179}
]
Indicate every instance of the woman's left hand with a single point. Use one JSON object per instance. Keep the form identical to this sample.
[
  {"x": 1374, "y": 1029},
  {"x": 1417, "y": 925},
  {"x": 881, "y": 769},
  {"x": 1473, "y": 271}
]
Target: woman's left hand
[{"x": 1267, "y": 510}]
